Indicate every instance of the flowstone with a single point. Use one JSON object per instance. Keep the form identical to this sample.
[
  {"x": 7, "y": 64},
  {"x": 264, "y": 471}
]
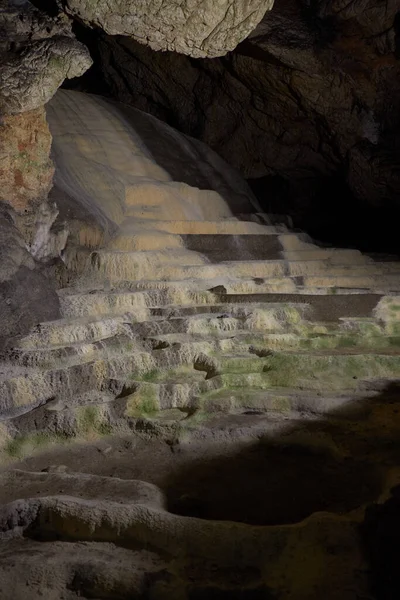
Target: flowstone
[{"x": 196, "y": 421}]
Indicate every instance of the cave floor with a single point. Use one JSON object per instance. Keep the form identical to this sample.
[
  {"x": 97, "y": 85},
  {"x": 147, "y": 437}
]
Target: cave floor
[{"x": 122, "y": 514}]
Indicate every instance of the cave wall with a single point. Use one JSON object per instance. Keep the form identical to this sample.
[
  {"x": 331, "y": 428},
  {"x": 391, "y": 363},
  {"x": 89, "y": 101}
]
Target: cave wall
[
  {"x": 26, "y": 170},
  {"x": 37, "y": 53}
]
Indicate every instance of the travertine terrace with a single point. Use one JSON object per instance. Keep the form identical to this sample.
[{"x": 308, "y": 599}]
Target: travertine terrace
[{"x": 217, "y": 403}]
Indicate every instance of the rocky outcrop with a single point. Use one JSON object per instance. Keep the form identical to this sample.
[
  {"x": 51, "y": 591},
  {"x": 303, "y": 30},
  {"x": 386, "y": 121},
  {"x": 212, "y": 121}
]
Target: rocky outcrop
[
  {"x": 37, "y": 54},
  {"x": 119, "y": 543},
  {"x": 26, "y": 174},
  {"x": 310, "y": 99},
  {"x": 26, "y": 171},
  {"x": 26, "y": 296},
  {"x": 199, "y": 29}
]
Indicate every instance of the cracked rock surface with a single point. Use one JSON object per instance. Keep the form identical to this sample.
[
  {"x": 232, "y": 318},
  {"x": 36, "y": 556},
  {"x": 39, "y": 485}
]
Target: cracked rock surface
[
  {"x": 37, "y": 54},
  {"x": 199, "y": 28}
]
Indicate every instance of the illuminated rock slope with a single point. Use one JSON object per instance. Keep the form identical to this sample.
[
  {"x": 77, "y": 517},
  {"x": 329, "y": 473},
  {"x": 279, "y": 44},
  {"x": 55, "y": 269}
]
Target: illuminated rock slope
[{"x": 217, "y": 404}]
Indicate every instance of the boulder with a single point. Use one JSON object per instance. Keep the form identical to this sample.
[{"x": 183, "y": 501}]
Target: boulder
[
  {"x": 193, "y": 27},
  {"x": 37, "y": 54}
]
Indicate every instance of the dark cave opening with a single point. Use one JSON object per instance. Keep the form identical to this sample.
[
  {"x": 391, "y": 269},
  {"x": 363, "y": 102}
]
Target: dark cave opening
[
  {"x": 397, "y": 35},
  {"x": 50, "y": 8},
  {"x": 331, "y": 214},
  {"x": 92, "y": 81}
]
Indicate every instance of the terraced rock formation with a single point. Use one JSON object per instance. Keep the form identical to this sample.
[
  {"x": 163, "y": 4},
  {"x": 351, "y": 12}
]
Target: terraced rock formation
[{"x": 216, "y": 406}]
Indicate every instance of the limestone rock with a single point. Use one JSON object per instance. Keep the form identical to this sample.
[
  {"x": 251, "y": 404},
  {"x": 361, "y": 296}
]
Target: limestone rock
[
  {"x": 48, "y": 243},
  {"x": 180, "y": 383},
  {"x": 193, "y": 27},
  {"x": 30, "y": 80},
  {"x": 21, "y": 22},
  {"x": 37, "y": 55},
  {"x": 65, "y": 570},
  {"x": 225, "y": 547},
  {"x": 26, "y": 170},
  {"x": 139, "y": 166},
  {"x": 26, "y": 296}
]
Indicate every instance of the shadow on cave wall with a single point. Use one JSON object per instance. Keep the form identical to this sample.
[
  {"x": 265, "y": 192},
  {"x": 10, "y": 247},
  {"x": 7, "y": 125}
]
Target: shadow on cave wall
[
  {"x": 380, "y": 533},
  {"x": 93, "y": 80},
  {"x": 327, "y": 210}
]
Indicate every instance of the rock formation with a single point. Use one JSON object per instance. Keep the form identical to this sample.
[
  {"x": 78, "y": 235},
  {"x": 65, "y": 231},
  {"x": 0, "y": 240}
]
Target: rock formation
[
  {"x": 37, "y": 53},
  {"x": 133, "y": 148},
  {"x": 210, "y": 401},
  {"x": 26, "y": 171},
  {"x": 26, "y": 295},
  {"x": 198, "y": 28},
  {"x": 196, "y": 401},
  {"x": 309, "y": 102}
]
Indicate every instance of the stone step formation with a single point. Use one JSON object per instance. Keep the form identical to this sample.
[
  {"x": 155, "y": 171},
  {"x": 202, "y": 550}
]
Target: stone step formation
[
  {"x": 208, "y": 419},
  {"x": 182, "y": 349}
]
